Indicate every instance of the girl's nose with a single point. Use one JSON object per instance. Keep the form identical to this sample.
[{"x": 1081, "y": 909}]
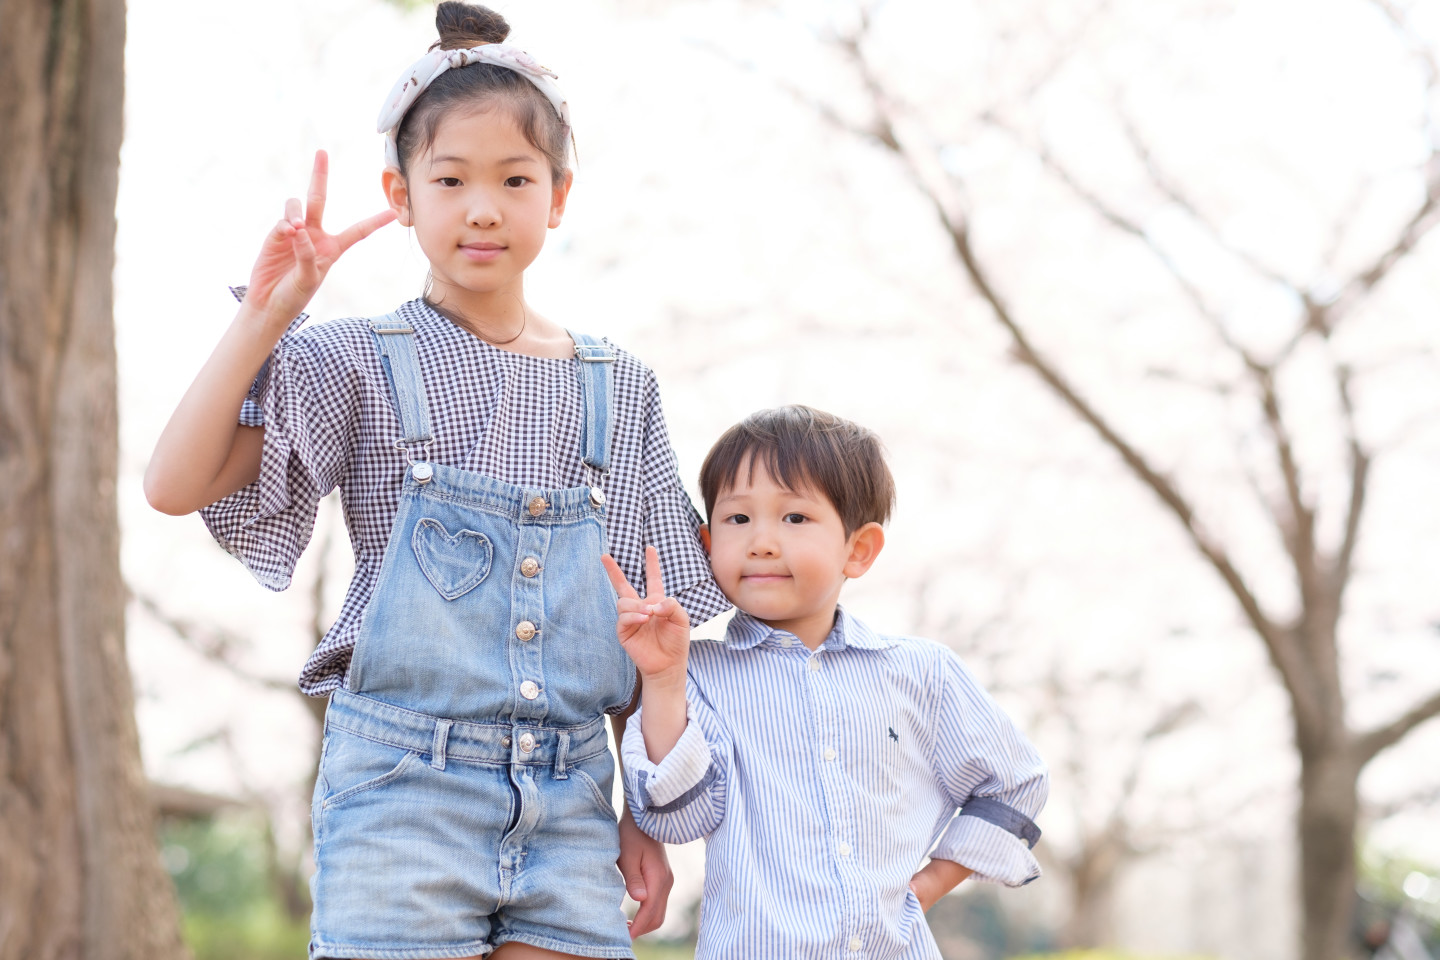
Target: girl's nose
[{"x": 484, "y": 213}]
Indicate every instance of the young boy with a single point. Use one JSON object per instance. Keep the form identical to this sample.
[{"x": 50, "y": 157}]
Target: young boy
[{"x": 821, "y": 760}]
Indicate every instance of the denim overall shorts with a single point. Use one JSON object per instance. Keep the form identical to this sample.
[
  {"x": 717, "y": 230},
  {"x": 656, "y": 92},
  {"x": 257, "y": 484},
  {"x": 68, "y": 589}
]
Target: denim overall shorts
[{"x": 463, "y": 797}]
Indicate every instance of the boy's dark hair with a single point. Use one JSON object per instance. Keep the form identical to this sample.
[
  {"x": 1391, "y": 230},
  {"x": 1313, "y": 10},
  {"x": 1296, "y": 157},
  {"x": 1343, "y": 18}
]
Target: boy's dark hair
[
  {"x": 800, "y": 446},
  {"x": 477, "y": 86}
]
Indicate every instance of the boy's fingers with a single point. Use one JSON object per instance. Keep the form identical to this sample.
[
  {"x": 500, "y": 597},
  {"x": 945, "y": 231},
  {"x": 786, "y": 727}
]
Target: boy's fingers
[
  {"x": 654, "y": 584},
  {"x": 315, "y": 199},
  {"x": 292, "y": 210},
  {"x": 617, "y": 579}
]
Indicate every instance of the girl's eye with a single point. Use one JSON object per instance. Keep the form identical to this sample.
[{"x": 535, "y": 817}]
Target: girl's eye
[
  {"x": 737, "y": 518},
  {"x": 794, "y": 518},
  {"x": 450, "y": 181},
  {"x": 517, "y": 181}
]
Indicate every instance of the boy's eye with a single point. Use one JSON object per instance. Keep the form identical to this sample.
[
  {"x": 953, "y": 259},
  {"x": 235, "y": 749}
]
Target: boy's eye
[
  {"x": 517, "y": 181},
  {"x": 794, "y": 518},
  {"x": 737, "y": 518},
  {"x": 450, "y": 181}
]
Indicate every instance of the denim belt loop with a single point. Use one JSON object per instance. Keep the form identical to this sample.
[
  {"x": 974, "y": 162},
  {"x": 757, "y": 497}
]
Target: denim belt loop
[
  {"x": 562, "y": 752},
  {"x": 437, "y": 746}
]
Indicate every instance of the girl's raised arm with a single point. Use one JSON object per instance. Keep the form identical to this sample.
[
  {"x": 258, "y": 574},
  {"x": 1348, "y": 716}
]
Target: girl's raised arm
[{"x": 204, "y": 454}]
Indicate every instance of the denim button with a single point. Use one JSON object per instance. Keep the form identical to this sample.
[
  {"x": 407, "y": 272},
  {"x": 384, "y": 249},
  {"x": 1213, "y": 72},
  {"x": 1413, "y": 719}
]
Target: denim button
[
  {"x": 422, "y": 472},
  {"x": 537, "y": 506},
  {"x": 529, "y": 567},
  {"x": 525, "y": 630},
  {"x": 505, "y": 742},
  {"x": 597, "y": 496},
  {"x": 527, "y": 743},
  {"x": 529, "y": 690}
]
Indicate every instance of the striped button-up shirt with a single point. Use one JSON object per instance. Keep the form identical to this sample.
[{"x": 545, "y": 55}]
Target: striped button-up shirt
[{"x": 822, "y": 779}]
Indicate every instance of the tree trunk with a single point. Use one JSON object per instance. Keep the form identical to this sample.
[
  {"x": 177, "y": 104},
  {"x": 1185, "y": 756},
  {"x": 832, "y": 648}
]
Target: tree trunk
[
  {"x": 79, "y": 874},
  {"x": 1328, "y": 813}
]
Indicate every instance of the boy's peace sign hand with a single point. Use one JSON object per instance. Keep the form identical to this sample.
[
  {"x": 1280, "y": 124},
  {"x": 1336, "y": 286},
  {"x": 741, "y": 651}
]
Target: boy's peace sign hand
[
  {"x": 655, "y": 631},
  {"x": 297, "y": 252}
]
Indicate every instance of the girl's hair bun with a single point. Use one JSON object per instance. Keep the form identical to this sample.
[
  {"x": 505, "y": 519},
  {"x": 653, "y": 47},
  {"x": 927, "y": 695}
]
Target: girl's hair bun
[{"x": 465, "y": 25}]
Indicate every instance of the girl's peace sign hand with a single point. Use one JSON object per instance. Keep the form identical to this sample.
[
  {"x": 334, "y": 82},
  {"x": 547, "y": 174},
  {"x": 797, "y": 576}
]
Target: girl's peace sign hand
[
  {"x": 655, "y": 631},
  {"x": 298, "y": 252}
]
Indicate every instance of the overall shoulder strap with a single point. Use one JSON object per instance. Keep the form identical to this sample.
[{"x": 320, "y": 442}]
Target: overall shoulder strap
[
  {"x": 596, "y": 362},
  {"x": 395, "y": 340}
]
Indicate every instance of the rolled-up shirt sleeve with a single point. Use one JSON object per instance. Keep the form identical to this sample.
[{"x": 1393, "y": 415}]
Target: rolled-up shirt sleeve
[
  {"x": 992, "y": 773},
  {"x": 681, "y": 798}
]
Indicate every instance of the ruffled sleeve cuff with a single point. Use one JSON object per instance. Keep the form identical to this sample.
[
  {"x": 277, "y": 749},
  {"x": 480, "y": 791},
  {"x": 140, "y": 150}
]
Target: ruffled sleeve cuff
[{"x": 992, "y": 839}]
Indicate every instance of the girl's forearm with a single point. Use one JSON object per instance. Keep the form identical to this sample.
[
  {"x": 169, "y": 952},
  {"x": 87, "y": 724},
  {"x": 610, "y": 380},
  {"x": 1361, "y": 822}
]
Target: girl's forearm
[{"x": 203, "y": 454}]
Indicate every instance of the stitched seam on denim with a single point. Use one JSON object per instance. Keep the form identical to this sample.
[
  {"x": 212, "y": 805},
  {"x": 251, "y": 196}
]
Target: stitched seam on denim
[
  {"x": 410, "y": 757},
  {"x": 1005, "y": 817}
]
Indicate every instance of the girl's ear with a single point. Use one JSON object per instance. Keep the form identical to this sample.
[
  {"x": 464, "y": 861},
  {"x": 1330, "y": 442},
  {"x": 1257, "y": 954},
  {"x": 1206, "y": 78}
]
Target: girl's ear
[
  {"x": 559, "y": 193},
  {"x": 397, "y": 194},
  {"x": 705, "y": 537},
  {"x": 865, "y": 545}
]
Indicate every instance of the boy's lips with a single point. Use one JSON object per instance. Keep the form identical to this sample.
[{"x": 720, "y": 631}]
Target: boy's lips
[{"x": 764, "y": 577}]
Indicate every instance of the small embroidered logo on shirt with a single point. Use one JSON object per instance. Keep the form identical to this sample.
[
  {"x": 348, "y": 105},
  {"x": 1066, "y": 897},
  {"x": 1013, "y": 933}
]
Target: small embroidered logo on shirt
[{"x": 893, "y": 735}]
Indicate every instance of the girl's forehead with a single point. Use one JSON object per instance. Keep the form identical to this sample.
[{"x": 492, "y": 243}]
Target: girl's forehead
[{"x": 487, "y": 134}]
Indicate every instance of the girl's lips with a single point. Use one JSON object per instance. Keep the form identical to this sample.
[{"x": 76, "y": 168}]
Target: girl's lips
[{"x": 481, "y": 252}]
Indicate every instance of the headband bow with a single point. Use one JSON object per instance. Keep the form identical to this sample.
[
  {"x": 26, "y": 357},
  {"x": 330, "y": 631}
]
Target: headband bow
[{"x": 428, "y": 68}]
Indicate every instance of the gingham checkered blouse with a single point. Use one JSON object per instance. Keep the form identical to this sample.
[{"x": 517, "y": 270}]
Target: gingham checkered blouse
[{"x": 330, "y": 422}]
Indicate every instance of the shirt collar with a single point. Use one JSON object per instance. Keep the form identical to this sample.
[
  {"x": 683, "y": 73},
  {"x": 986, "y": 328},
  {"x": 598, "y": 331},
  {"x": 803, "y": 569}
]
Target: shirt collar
[{"x": 745, "y": 632}]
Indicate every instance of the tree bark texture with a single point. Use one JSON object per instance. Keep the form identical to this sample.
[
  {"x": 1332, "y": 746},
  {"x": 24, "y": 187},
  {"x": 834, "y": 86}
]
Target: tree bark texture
[{"x": 79, "y": 871}]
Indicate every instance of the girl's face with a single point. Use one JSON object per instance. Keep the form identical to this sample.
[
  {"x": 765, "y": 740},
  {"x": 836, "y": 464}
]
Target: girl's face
[{"x": 480, "y": 201}]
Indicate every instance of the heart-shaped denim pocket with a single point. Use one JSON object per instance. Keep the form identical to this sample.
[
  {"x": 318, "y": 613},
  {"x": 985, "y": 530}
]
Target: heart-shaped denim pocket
[{"x": 454, "y": 564}]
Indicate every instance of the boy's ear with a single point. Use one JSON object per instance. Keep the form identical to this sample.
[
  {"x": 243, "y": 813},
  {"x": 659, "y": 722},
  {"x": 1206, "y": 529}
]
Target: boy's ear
[
  {"x": 559, "y": 194},
  {"x": 397, "y": 194},
  {"x": 705, "y": 537},
  {"x": 865, "y": 545}
]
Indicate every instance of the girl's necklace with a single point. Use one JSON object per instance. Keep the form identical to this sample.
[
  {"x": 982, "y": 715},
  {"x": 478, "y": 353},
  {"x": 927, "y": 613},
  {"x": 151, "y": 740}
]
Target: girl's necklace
[{"x": 524, "y": 321}]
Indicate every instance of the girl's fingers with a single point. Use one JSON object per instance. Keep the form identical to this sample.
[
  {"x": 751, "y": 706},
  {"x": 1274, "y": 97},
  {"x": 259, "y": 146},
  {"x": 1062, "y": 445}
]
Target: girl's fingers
[
  {"x": 654, "y": 585},
  {"x": 315, "y": 199},
  {"x": 617, "y": 579},
  {"x": 363, "y": 229},
  {"x": 305, "y": 261}
]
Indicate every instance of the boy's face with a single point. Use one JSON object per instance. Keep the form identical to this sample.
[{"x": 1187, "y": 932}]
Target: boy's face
[{"x": 782, "y": 555}]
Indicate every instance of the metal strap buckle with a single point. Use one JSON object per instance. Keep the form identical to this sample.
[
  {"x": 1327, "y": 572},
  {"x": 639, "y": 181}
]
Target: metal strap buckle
[{"x": 580, "y": 348}]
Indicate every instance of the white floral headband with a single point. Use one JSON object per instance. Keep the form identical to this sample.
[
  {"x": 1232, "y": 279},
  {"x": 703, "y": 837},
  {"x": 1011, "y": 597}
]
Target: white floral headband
[{"x": 428, "y": 68}]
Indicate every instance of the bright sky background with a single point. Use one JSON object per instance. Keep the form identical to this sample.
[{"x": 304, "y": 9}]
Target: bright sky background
[{"x": 754, "y": 255}]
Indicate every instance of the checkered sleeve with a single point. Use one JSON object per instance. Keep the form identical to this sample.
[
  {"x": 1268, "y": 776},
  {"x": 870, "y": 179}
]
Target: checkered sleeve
[
  {"x": 672, "y": 524},
  {"x": 300, "y": 399}
]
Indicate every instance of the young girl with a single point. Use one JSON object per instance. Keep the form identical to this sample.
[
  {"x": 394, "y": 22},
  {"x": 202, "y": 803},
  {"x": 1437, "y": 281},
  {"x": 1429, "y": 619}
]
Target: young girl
[{"x": 486, "y": 458}]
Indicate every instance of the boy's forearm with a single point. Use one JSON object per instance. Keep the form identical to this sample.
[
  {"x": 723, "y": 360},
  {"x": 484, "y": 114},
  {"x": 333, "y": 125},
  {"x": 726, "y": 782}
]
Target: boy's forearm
[
  {"x": 937, "y": 878},
  {"x": 664, "y": 718}
]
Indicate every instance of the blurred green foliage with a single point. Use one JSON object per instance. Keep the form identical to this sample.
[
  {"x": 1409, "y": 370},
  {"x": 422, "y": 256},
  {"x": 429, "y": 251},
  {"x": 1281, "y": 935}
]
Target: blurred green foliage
[{"x": 230, "y": 910}]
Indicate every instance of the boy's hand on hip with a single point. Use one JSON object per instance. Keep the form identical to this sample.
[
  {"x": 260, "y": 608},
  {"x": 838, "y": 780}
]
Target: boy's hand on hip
[
  {"x": 935, "y": 879},
  {"x": 654, "y": 630}
]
